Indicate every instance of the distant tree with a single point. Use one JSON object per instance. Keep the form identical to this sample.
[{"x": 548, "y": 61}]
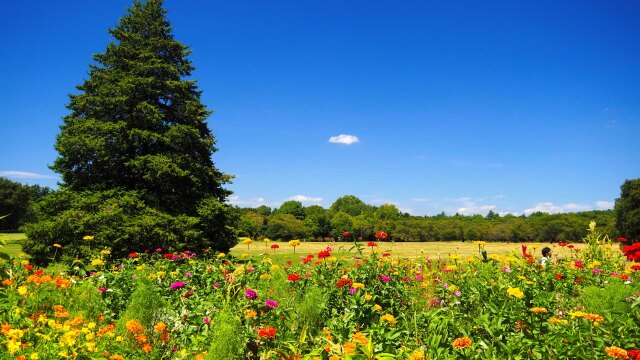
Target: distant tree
[
  {"x": 340, "y": 222},
  {"x": 627, "y": 210},
  {"x": 137, "y": 142},
  {"x": 386, "y": 217},
  {"x": 292, "y": 207},
  {"x": 263, "y": 210},
  {"x": 286, "y": 227},
  {"x": 351, "y": 205},
  {"x": 318, "y": 221},
  {"x": 14, "y": 202},
  {"x": 251, "y": 224}
]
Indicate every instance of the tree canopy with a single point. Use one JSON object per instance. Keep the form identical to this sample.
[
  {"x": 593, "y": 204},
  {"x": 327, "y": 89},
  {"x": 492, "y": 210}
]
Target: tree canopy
[
  {"x": 137, "y": 138},
  {"x": 627, "y": 210}
]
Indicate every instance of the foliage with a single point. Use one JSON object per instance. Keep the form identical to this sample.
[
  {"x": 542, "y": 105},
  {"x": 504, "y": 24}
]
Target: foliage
[
  {"x": 137, "y": 131},
  {"x": 627, "y": 211},
  {"x": 15, "y": 202},
  {"x": 371, "y": 305}
]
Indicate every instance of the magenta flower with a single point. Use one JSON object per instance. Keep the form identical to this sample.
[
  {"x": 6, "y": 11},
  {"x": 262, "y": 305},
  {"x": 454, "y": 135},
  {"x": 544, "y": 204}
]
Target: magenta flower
[
  {"x": 419, "y": 277},
  {"x": 385, "y": 278},
  {"x": 352, "y": 291},
  {"x": 216, "y": 285},
  {"x": 251, "y": 294},
  {"x": 177, "y": 285},
  {"x": 188, "y": 274},
  {"x": 206, "y": 320},
  {"x": 272, "y": 304},
  {"x": 102, "y": 289}
]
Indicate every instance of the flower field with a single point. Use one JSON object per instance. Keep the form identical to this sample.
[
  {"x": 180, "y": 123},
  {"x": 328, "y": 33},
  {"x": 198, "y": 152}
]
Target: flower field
[{"x": 368, "y": 305}]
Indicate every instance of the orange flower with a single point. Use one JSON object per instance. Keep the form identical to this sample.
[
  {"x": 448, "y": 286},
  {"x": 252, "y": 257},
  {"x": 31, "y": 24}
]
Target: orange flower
[
  {"x": 7, "y": 282},
  {"x": 269, "y": 332},
  {"x": 593, "y": 317},
  {"x": 106, "y": 329},
  {"x": 360, "y": 338},
  {"x": 116, "y": 357},
  {"x": 147, "y": 348},
  {"x": 141, "y": 338},
  {"x": 616, "y": 352},
  {"x": 134, "y": 326},
  {"x": 461, "y": 343},
  {"x": 348, "y": 348},
  {"x": 539, "y": 310},
  {"x": 61, "y": 282},
  {"x": 4, "y": 328},
  {"x": 160, "y": 327}
]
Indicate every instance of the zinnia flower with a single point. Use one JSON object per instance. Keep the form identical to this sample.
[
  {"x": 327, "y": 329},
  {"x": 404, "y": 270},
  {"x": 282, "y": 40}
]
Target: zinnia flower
[
  {"x": 385, "y": 278},
  {"x": 515, "y": 292},
  {"x": 267, "y": 332},
  {"x": 388, "y": 318},
  {"x": 616, "y": 352},
  {"x": 293, "y": 277},
  {"x": 176, "y": 285},
  {"x": 538, "y": 310},
  {"x": 251, "y": 294},
  {"x": 272, "y": 304},
  {"x": 381, "y": 235},
  {"x": 462, "y": 343}
]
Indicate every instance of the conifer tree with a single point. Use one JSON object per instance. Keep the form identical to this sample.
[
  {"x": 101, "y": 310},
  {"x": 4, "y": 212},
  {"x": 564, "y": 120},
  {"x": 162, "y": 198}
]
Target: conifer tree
[{"x": 136, "y": 149}]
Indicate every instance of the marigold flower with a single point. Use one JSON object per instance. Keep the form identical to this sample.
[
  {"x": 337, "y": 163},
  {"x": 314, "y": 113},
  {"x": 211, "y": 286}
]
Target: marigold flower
[
  {"x": 348, "y": 348},
  {"x": 147, "y": 348},
  {"x": 134, "y": 326},
  {"x": 616, "y": 352},
  {"x": 141, "y": 338},
  {"x": 594, "y": 317},
  {"x": 160, "y": 327},
  {"x": 417, "y": 355},
  {"x": 462, "y": 343}
]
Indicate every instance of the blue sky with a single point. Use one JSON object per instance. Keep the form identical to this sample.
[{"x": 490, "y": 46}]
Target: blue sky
[{"x": 456, "y": 106}]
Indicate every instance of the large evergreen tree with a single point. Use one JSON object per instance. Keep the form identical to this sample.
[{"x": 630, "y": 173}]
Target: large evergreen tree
[{"x": 136, "y": 149}]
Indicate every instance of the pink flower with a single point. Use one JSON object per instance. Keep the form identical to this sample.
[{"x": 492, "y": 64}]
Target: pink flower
[
  {"x": 385, "y": 278},
  {"x": 251, "y": 294},
  {"x": 102, "y": 289},
  {"x": 272, "y": 304},
  {"x": 176, "y": 285}
]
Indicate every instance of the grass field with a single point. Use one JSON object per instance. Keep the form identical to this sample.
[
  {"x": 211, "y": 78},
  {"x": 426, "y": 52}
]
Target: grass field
[
  {"x": 409, "y": 250},
  {"x": 10, "y": 243}
]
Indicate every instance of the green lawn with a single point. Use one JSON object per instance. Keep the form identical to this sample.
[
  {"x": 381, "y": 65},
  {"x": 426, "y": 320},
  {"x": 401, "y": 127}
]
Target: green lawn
[{"x": 11, "y": 243}]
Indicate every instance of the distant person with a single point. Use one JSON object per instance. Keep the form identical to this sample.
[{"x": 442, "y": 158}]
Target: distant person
[{"x": 546, "y": 256}]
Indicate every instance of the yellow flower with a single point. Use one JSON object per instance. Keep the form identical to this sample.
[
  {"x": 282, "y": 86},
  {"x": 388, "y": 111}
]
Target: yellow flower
[
  {"x": 275, "y": 267},
  {"x": 266, "y": 240},
  {"x": 455, "y": 257},
  {"x": 368, "y": 297},
  {"x": 246, "y": 240},
  {"x": 592, "y": 226},
  {"x": 557, "y": 321},
  {"x": 294, "y": 243},
  {"x": 34, "y": 356},
  {"x": 250, "y": 313},
  {"x": 360, "y": 338},
  {"x": 357, "y": 285},
  {"x": 221, "y": 255},
  {"x": 161, "y": 273},
  {"x": 515, "y": 292},
  {"x": 377, "y": 307},
  {"x": 244, "y": 255},
  {"x": 105, "y": 252},
  {"x": 451, "y": 267},
  {"x": 87, "y": 238},
  {"x": 140, "y": 267},
  {"x": 453, "y": 288},
  {"x": 480, "y": 242},
  {"x": 388, "y": 318},
  {"x": 265, "y": 276},
  {"x": 97, "y": 262},
  {"x": 348, "y": 348},
  {"x": 24, "y": 262},
  {"x": 417, "y": 355},
  {"x": 22, "y": 290},
  {"x": 57, "y": 246}
]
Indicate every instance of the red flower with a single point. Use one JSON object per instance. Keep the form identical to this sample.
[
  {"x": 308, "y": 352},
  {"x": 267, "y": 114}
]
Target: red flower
[
  {"x": 622, "y": 239},
  {"x": 28, "y": 267},
  {"x": 293, "y": 277},
  {"x": 267, "y": 332},
  {"x": 134, "y": 255},
  {"x": 578, "y": 280},
  {"x": 633, "y": 354},
  {"x": 275, "y": 246},
  {"x": 324, "y": 254},
  {"x": 372, "y": 244},
  {"x": 570, "y": 246},
  {"x": 632, "y": 252},
  {"x": 559, "y": 276},
  {"x": 381, "y": 235},
  {"x": 578, "y": 264},
  {"x": 562, "y": 243},
  {"x": 168, "y": 256},
  {"x": 342, "y": 282},
  {"x": 635, "y": 267},
  {"x": 346, "y": 234}
]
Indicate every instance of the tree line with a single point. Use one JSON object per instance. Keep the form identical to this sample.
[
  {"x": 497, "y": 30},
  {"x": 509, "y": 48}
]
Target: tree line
[
  {"x": 349, "y": 214},
  {"x": 16, "y": 202}
]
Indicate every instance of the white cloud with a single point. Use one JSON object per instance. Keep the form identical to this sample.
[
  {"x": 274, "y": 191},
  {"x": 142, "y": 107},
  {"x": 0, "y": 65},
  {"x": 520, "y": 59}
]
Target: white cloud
[
  {"x": 551, "y": 208},
  {"x": 604, "y": 205},
  {"x": 472, "y": 209},
  {"x": 344, "y": 139},
  {"x": 253, "y": 202},
  {"x": 306, "y": 199},
  {"x": 420, "y": 199},
  {"x": 13, "y": 174}
]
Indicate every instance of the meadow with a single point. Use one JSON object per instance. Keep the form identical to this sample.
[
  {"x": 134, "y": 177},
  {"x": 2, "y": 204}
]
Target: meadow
[{"x": 379, "y": 300}]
